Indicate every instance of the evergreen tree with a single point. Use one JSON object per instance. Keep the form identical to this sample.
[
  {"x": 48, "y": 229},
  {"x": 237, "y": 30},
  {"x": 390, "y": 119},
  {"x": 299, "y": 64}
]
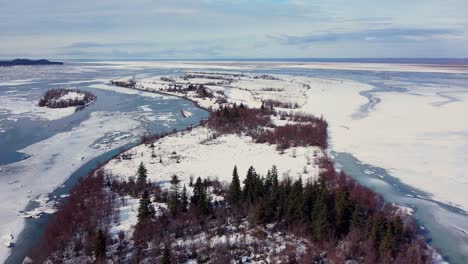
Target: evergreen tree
[
  {"x": 166, "y": 258},
  {"x": 387, "y": 245},
  {"x": 342, "y": 211},
  {"x": 377, "y": 228},
  {"x": 397, "y": 225},
  {"x": 271, "y": 191},
  {"x": 267, "y": 186},
  {"x": 174, "y": 195},
  {"x": 250, "y": 185},
  {"x": 142, "y": 174},
  {"x": 184, "y": 200},
  {"x": 283, "y": 194},
  {"x": 100, "y": 246},
  {"x": 310, "y": 193},
  {"x": 274, "y": 178},
  {"x": 199, "y": 198},
  {"x": 235, "y": 192},
  {"x": 321, "y": 219},
  {"x": 146, "y": 209},
  {"x": 358, "y": 217},
  {"x": 295, "y": 202}
]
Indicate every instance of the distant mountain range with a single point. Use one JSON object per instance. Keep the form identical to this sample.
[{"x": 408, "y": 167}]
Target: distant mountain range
[{"x": 25, "y": 62}]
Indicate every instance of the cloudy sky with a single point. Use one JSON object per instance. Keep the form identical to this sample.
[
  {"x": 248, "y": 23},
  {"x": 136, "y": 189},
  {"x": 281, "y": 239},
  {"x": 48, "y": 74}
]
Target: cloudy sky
[{"x": 191, "y": 29}]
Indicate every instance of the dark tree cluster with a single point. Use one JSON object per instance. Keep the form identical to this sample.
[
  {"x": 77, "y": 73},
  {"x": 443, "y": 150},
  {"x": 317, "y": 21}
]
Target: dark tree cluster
[
  {"x": 331, "y": 210},
  {"x": 200, "y": 90},
  {"x": 185, "y": 216},
  {"x": 312, "y": 131},
  {"x": 126, "y": 84},
  {"x": 167, "y": 79},
  {"x": 81, "y": 222},
  {"x": 266, "y": 77},
  {"x": 280, "y": 104},
  {"x": 238, "y": 119},
  {"x": 51, "y": 98},
  {"x": 295, "y": 135},
  {"x": 299, "y": 117}
]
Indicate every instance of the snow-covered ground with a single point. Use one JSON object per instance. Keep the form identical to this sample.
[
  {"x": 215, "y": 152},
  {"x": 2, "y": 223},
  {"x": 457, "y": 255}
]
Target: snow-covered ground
[
  {"x": 414, "y": 135},
  {"x": 17, "y": 106},
  {"x": 196, "y": 154},
  {"x": 71, "y": 96}
]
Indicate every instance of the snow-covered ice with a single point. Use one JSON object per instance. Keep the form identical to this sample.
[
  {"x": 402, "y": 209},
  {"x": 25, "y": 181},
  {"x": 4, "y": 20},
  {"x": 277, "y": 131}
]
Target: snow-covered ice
[
  {"x": 18, "y": 106},
  {"x": 50, "y": 163}
]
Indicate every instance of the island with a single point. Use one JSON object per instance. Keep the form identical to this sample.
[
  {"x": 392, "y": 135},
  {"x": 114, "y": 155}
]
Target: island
[
  {"x": 26, "y": 62},
  {"x": 63, "y": 98}
]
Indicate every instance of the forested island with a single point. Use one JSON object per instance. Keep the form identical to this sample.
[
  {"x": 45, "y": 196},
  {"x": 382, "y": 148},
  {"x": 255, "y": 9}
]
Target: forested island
[
  {"x": 62, "y": 98},
  {"x": 26, "y": 62}
]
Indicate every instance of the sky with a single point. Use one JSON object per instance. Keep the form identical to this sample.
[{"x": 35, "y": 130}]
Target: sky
[{"x": 204, "y": 29}]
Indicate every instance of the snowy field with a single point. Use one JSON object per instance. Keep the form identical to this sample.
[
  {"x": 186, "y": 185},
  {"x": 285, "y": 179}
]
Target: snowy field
[{"x": 196, "y": 154}]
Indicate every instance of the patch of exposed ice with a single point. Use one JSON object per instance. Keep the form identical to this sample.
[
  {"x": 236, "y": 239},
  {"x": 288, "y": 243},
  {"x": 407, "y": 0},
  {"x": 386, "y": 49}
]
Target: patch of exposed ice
[{"x": 145, "y": 108}]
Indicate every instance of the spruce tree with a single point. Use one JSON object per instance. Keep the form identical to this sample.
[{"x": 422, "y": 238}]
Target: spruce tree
[
  {"x": 321, "y": 219},
  {"x": 387, "y": 245},
  {"x": 295, "y": 202},
  {"x": 283, "y": 193},
  {"x": 377, "y": 228},
  {"x": 174, "y": 195},
  {"x": 199, "y": 198},
  {"x": 146, "y": 209},
  {"x": 166, "y": 258},
  {"x": 250, "y": 184},
  {"x": 310, "y": 193},
  {"x": 342, "y": 211},
  {"x": 358, "y": 217},
  {"x": 184, "y": 200},
  {"x": 271, "y": 191},
  {"x": 100, "y": 246},
  {"x": 235, "y": 192},
  {"x": 142, "y": 174}
]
